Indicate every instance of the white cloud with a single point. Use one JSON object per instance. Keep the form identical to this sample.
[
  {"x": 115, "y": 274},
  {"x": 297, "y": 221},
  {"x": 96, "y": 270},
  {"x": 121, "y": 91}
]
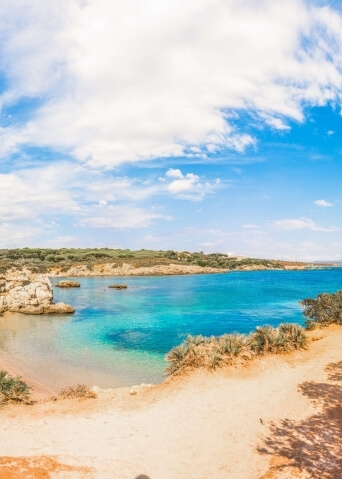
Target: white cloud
[
  {"x": 185, "y": 184},
  {"x": 323, "y": 203},
  {"x": 120, "y": 217},
  {"x": 29, "y": 193},
  {"x": 276, "y": 123},
  {"x": 188, "y": 186},
  {"x": 300, "y": 224},
  {"x": 34, "y": 201},
  {"x": 129, "y": 80},
  {"x": 174, "y": 173}
]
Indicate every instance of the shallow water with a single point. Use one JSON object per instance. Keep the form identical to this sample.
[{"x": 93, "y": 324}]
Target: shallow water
[{"x": 120, "y": 337}]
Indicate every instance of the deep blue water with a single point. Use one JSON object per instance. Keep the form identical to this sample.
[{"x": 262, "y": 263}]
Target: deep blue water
[{"x": 120, "y": 337}]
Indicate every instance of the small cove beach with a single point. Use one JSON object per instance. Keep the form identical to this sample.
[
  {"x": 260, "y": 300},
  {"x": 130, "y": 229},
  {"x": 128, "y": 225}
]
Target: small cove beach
[{"x": 120, "y": 338}]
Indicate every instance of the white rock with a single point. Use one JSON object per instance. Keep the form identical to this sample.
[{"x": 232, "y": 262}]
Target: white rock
[{"x": 30, "y": 293}]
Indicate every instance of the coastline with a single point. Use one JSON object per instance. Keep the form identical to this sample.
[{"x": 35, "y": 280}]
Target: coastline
[
  {"x": 39, "y": 390},
  {"x": 14, "y": 360},
  {"x": 42, "y": 391},
  {"x": 196, "y": 425},
  {"x": 128, "y": 269}
]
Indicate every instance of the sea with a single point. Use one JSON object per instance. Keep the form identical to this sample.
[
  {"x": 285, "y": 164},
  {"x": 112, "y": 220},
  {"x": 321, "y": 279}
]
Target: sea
[{"x": 120, "y": 337}]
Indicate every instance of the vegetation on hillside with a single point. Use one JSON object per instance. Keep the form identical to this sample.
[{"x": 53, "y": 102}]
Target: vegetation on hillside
[{"x": 43, "y": 259}]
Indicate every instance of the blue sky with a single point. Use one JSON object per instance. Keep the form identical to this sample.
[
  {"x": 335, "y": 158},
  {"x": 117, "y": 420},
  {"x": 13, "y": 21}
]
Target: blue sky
[{"x": 210, "y": 125}]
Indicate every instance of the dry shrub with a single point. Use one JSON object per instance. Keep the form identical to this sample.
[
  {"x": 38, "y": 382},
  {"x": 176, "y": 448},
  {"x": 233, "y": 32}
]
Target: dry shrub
[
  {"x": 212, "y": 352},
  {"x": 80, "y": 391},
  {"x": 13, "y": 389}
]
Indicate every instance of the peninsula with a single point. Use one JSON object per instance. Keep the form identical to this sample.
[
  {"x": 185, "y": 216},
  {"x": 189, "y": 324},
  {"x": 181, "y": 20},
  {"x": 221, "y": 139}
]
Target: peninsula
[{"x": 66, "y": 262}]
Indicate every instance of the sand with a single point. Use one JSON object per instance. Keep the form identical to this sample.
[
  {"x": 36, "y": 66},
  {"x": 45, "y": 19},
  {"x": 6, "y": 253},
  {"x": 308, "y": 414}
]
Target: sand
[{"x": 278, "y": 418}]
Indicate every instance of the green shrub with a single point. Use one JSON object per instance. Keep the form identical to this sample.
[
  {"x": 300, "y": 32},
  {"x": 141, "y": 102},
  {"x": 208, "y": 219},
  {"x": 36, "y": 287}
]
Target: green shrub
[
  {"x": 292, "y": 336},
  {"x": 13, "y": 389},
  {"x": 324, "y": 310},
  {"x": 264, "y": 340}
]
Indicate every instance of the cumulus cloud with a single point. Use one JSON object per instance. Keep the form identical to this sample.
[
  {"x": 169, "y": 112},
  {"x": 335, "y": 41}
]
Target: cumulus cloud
[
  {"x": 189, "y": 186},
  {"x": 174, "y": 173},
  {"x": 117, "y": 81},
  {"x": 300, "y": 224},
  {"x": 38, "y": 199},
  {"x": 323, "y": 203}
]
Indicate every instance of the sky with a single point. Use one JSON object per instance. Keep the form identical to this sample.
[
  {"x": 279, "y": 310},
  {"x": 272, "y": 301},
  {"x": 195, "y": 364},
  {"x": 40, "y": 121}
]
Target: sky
[{"x": 205, "y": 125}]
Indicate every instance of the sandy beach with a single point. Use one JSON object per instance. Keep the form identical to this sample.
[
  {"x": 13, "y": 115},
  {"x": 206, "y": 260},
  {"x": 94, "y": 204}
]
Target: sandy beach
[{"x": 278, "y": 418}]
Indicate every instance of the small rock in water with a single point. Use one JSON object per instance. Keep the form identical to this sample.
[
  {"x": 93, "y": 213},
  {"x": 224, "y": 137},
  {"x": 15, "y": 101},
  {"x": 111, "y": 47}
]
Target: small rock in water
[
  {"x": 68, "y": 284},
  {"x": 118, "y": 286}
]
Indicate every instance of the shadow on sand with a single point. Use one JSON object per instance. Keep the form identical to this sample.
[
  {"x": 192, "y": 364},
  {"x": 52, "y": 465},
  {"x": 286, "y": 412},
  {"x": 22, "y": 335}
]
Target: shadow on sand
[{"x": 312, "y": 446}]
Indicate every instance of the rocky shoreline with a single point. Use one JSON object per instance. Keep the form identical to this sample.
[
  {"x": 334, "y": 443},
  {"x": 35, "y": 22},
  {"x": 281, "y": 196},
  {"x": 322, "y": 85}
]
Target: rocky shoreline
[
  {"x": 128, "y": 269},
  {"x": 29, "y": 293}
]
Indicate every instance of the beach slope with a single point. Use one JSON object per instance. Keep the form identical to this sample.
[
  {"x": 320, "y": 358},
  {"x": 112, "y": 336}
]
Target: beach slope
[{"x": 278, "y": 418}]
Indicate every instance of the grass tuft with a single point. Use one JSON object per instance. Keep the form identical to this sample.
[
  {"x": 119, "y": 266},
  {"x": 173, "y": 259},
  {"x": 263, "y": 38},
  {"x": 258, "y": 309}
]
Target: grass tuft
[
  {"x": 212, "y": 352},
  {"x": 13, "y": 389},
  {"x": 80, "y": 391}
]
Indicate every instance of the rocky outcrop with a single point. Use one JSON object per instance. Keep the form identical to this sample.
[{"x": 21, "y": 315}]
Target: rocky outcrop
[
  {"x": 118, "y": 286},
  {"x": 68, "y": 284},
  {"x": 28, "y": 293},
  {"x": 127, "y": 269}
]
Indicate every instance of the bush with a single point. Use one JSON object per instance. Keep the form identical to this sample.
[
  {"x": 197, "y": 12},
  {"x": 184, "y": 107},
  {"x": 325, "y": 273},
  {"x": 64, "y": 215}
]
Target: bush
[
  {"x": 231, "y": 344},
  {"x": 13, "y": 389},
  {"x": 211, "y": 352},
  {"x": 264, "y": 340},
  {"x": 80, "y": 391},
  {"x": 326, "y": 309}
]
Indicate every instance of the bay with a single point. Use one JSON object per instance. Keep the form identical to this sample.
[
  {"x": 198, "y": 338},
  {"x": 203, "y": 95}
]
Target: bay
[{"x": 120, "y": 337}]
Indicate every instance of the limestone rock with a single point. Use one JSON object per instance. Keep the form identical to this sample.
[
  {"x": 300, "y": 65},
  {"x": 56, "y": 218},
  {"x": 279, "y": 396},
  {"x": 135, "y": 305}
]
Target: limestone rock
[
  {"x": 68, "y": 284},
  {"x": 58, "y": 308},
  {"x": 118, "y": 286},
  {"x": 28, "y": 293}
]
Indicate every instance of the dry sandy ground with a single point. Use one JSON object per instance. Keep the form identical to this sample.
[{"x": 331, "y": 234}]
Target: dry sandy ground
[{"x": 278, "y": 418}]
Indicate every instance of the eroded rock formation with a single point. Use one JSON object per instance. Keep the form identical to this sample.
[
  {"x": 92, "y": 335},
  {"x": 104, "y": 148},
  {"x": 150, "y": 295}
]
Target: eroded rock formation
[{"x": 28, "y": 293}]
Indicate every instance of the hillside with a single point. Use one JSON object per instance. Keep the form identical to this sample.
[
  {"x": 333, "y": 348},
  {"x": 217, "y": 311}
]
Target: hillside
[{"x": 113, "y": 261}]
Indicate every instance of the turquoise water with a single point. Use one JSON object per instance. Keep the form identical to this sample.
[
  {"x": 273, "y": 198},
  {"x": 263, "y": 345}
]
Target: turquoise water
[{"x": 120, "y": 337}]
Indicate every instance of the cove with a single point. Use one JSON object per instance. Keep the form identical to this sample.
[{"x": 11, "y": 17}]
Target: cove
[{"x": 120, "y": 337}]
